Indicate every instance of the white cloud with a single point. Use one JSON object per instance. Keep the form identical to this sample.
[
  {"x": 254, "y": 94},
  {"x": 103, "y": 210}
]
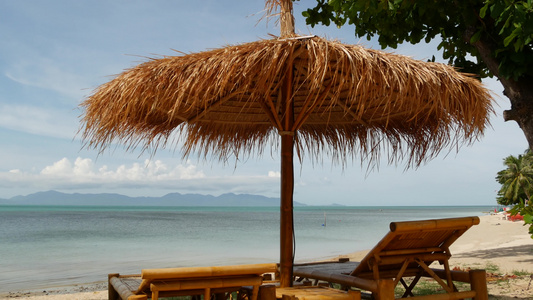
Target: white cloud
[
  {"x": 84, "y": 170},
  {"x": 275, "y": 174},
  {"x": 151, "y": 175},
  {"x": 59, "y": 168}
]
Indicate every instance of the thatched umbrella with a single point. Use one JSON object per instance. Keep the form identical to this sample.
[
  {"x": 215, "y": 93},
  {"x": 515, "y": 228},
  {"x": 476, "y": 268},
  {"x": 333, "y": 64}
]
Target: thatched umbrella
[{"x": 314, "y": 95}]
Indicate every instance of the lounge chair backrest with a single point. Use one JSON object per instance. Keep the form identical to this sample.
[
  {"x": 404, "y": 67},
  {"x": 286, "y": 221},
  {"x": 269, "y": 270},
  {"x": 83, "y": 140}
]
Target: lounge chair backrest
[{"x": 424, "y": 240}]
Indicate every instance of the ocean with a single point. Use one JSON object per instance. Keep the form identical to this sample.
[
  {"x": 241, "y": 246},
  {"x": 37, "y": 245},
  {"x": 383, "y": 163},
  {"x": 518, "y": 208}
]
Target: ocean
[{"x": 52, "y": 246}]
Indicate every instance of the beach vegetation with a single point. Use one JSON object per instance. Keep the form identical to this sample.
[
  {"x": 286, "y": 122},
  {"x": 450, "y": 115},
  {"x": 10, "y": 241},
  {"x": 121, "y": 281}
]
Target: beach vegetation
[
  {"x": 490, "y": 38},
  {"x": 429, "y": 287},
  {"x": 521, "y": 273},
  {"x": 492, "y": 268},
  {"x": 517, "y": 186}
]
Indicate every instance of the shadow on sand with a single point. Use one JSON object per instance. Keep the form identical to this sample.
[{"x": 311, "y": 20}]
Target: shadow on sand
[{"x": 524, "y": 251}]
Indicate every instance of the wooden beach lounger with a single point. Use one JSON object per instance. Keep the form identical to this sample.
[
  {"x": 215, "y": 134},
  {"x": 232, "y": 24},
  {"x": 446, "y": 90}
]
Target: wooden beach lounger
[
  {"x": 170, "y": 282},
  {"x": 405, "y": 252}
]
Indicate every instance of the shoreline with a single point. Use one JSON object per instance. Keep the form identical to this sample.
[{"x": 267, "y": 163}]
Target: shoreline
[{"x": 497, "y": 245}]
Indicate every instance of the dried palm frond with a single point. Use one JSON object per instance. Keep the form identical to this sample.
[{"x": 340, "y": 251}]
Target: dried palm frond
[{"x": 341, "y": 100}]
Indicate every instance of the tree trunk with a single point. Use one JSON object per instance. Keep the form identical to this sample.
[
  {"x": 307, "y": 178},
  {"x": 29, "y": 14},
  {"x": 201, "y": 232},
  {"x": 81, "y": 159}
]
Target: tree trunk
[
  {"x": 520, "y": 92},
  {"x": 521, "y": 97}
]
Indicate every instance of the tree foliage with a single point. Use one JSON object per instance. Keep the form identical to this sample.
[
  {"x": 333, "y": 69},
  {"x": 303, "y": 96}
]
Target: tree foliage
[
  {"x": 517, "y": 186},
  {"x": 484, "y": 37},
  {"x": 504, "y": 25},
  {"x": 516, "y": 179}
]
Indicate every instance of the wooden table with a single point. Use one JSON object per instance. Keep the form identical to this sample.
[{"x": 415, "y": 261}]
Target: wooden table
[{"x": 316, "y": 293}]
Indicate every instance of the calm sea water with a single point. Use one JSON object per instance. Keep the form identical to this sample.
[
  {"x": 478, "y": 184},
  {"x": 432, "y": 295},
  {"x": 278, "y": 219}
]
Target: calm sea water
[{"x": 48, "y": 246}]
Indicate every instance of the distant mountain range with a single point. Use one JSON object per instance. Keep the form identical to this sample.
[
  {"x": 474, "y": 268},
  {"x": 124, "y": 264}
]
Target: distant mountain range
[{"x": 173, "y": 199}]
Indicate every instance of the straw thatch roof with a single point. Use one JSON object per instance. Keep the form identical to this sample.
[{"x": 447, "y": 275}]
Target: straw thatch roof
[{"x": 347, "y": 101}]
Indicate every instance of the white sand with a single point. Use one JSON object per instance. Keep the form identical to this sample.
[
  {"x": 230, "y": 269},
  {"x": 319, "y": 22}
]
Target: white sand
[
  {"x": 495, "y": 244},
  {"x": 495, "y": 241}
]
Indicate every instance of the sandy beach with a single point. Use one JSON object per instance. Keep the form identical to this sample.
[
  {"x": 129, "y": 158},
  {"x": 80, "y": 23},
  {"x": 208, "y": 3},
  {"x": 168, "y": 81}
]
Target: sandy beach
[{"x": 502, "y": 247}]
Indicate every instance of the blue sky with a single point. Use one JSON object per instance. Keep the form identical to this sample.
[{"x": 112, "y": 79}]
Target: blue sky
[{"x": 54, "y": 53}]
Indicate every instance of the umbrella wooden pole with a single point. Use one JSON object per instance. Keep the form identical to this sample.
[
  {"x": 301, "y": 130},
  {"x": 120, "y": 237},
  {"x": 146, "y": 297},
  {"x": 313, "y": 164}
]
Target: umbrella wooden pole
[
  {"x": 287, "y": 178},
  {"x": 286, "y": 19},
  {"x": 286, "y": 216}
]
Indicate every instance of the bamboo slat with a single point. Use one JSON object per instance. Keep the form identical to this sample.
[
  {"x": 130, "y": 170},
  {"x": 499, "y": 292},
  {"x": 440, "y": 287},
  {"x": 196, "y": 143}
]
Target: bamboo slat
[
  {"x": 409, "y": 251},
  {"x": 436, "y": 224},
  {"x": 392, "y": 273},
  {"x": 191, "y": 284},
  {"x": 192, "y": 272},
  {"x": 347, "y": 280},
  {"x": 399, "y": 259}
]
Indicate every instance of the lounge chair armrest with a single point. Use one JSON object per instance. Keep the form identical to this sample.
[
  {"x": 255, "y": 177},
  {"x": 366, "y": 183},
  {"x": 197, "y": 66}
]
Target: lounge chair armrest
[{"x": 123, "y": 290}]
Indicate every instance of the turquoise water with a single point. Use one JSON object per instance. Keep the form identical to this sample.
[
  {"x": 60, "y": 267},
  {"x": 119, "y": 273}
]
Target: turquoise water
[{"x": 48, "y": 246}]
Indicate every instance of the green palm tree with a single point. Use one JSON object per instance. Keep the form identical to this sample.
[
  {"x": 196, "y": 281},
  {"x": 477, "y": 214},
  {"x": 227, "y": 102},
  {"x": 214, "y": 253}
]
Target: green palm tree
[
  {"x": 516, "y": 180},
  {"x": 517, "y": 186}
]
